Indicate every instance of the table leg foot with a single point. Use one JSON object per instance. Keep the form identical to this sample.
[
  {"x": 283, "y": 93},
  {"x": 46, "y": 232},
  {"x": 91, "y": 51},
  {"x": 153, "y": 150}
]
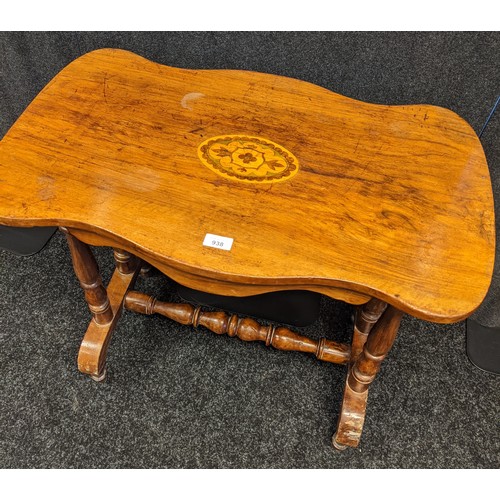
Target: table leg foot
[
  {"x": 351, "y": 419},
  {"x": 100, "y": 377},
  {"x": 364, "y": 367},
  {"x": 337, "y": 445},
  {"x": 93, "y": 350}
]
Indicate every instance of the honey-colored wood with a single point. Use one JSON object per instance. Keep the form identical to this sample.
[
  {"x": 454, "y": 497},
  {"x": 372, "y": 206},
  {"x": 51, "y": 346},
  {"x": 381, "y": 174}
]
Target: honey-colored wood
[
  {"x": 366, "y": 316},
  {"x": 362, "y": 373},
  {"x": 392, "y": 202},
  {"x": 351, "y": 419},
  {"x": 94, "y": 347},
  {"x": 387, "y": 207},
  {"x": 126, "y": 263},
  {"x": 214, "y": 285},
  {"x": 377, "y": 346},
  {"x": 246, "y": 158},
  {"x": 87, "y": 272},
  {"x": 244, "y": 328}
]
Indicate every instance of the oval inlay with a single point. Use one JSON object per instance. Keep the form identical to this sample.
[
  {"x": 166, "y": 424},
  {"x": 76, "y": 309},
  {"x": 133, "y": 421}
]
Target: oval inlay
[{"x": 248, "y": 158}]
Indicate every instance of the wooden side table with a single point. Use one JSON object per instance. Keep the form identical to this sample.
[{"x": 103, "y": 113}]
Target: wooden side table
[{"x": 240, "y": 183}]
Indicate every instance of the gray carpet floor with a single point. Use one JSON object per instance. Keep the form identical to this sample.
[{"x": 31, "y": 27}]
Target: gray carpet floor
[
  {"x": 175, "y": 397},
  {"x": 183, "y": 399}
]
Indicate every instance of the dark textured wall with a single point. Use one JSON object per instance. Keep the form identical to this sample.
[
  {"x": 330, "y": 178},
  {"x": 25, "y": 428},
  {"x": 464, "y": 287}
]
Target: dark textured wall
[{"x": 457, "y": 70}]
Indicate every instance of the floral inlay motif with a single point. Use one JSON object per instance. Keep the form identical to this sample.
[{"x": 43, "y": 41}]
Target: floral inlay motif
[{"x": 248, "y": 158}]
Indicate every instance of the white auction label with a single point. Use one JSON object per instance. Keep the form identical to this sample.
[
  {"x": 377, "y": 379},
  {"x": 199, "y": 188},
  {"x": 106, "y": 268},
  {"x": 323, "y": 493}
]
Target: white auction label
[{"x": 215, "y": 241}]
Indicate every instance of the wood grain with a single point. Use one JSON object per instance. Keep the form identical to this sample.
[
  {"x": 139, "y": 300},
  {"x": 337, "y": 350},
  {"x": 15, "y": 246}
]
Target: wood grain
[
  {"x": 94, "y": 346},
  {"x": 366, "y": 317},
  {"x": 89, "y": 276},
  {"x": 246, "y": 329},
  {"x": 126, "y": 263},
  {"x": 378, "y": 344},
  {"x": 392, "y": 202},
  {"x": 214, "y": 285},
  {"x": 363, "y": 371}
]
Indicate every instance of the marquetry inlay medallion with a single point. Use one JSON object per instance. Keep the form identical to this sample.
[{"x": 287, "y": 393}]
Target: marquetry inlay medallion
[{"x": 248, "y": 158}]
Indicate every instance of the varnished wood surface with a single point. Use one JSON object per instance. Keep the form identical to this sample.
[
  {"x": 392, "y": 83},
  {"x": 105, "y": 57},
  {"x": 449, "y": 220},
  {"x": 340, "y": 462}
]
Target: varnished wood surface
[
  {"x": 89, "y": 276},
  {"x": 214, "y": 285},
  {"x": 389, "y": 201},
  {"x": 246, "y": 329},
  {"x": 380, "y": 340},
  {"x": 366, "y": 317},
  {"x": 94, "y": 346},
  {"x": 363, "y": 370}
]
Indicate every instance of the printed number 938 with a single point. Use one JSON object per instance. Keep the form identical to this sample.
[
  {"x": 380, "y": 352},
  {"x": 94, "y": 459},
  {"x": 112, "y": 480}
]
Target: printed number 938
[{"x": 216, "y": 241}]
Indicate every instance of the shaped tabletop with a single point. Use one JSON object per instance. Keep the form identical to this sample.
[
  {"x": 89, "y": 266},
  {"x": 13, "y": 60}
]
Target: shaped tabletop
[{"x": 315, "y": 189}]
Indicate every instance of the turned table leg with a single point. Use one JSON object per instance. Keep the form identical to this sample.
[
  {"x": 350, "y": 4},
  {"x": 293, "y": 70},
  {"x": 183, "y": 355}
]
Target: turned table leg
[
  {"x": 125, "y": 261},
  {"x": 88, "y": 275},
  {"x": 147, "y": 270},
  {"x": 362, "y": 372},
  {"x": 106, "y": 305},
  {"x": 366, "y": 316},
  {"x": 93, "y": 351}
]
